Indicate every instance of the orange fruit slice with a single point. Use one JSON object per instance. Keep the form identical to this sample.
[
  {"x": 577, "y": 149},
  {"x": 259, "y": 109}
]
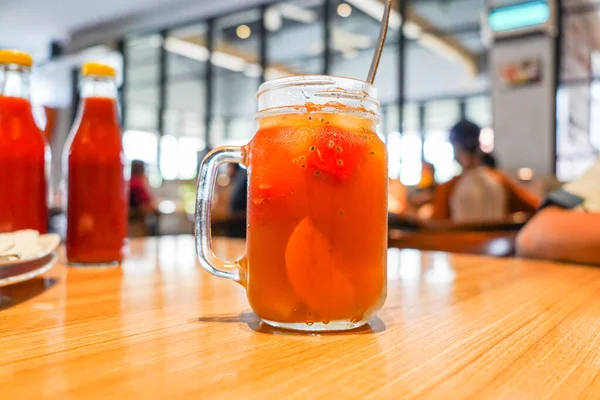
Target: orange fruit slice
[{"x": 316, "y": 275}]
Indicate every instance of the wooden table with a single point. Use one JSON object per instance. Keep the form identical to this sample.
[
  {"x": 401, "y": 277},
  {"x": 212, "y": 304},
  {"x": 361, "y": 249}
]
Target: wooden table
[{"x": 454, "y": 326}]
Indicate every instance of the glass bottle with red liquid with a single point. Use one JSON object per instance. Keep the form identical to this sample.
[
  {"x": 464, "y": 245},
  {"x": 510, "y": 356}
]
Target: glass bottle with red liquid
[
  {"x": 23, "y": 150},
  {"x": 97, "y": 194}
]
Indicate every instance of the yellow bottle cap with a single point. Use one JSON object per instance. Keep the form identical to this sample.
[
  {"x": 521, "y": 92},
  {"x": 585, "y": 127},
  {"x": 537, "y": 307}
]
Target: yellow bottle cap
[
  {"x": 97, "y": 69},
  {"x": 15, "y": 57}
]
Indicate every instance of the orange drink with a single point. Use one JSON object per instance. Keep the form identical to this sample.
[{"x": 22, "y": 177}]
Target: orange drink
[
  {"x": 316, "y": 218},
  {"x": 317, "y": 207},
  {"x": 24, "y": 152},
  {"x": 94, "y": 162}
]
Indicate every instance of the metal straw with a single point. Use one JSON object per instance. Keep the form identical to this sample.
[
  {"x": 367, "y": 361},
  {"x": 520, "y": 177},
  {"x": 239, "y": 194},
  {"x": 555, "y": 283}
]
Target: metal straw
[{"x": 385, "y": 21}]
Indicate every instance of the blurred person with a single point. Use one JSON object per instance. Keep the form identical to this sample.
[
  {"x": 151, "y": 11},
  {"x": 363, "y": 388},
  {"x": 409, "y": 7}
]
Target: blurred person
[
  {"x": 141, "y": 200},
  {"x": 239, "y": 196},
  {"x": 422, "y": 198},
  {"x": 224, "y": 190},
  {"x": 489, "y": 160},
  {"x": 238, "y": 204},
  {"x": 427, "y": 181},
  {"x": 479, "y": 193},
  {"x": 232, "y": 170},
  {"x": 567, "y": 228},
  {"x": 143, "y": 212}
]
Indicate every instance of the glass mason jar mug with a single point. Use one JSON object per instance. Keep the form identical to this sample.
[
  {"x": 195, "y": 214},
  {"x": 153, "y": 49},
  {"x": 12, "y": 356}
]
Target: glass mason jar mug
[{"x": 317, "y": 206}]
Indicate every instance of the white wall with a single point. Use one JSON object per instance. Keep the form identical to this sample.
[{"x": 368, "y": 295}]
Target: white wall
[{"x": 524, "y": 116}]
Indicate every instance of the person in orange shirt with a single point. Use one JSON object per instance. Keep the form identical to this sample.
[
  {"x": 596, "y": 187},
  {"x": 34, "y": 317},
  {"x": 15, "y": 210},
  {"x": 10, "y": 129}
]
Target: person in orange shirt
[{"x": 479, "y": 193}]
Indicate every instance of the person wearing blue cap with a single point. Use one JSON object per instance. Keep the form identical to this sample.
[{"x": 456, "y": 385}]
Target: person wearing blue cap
[{"x": 479, "y": 193}]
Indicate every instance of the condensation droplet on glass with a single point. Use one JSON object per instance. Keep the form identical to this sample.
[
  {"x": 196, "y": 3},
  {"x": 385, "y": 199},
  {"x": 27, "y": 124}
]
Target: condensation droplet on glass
[{"x": 309, "y": 323}]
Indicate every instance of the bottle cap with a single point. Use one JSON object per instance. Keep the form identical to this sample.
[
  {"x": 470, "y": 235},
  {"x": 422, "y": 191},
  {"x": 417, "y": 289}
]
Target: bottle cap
[
  {"x": 15, "y": 57},
  {"x": 97, "y": 69}
]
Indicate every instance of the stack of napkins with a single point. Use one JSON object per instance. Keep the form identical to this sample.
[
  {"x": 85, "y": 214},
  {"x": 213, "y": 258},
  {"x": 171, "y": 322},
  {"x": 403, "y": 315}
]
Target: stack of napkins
[{"x": 26, "y": 244}]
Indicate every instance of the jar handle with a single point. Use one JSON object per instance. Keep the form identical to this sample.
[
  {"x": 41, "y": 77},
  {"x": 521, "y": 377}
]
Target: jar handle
[{"x": 204, "y": 194}]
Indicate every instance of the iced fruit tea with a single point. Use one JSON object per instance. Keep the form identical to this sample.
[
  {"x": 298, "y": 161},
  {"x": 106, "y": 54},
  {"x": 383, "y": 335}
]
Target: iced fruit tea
[{"x": 317, "y": 218}]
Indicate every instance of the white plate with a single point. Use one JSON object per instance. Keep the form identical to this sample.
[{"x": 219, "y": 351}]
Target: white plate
[
  {"x": 21, "y": 272},
  {"x": 43, "y": 245}
]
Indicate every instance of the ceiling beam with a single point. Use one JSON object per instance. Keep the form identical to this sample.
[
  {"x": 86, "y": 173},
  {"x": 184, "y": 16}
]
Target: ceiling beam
[
  {"x": 230, "y": 54},
  {"x": 444, "y": 45},
  {"x": 423, "y": 31}
]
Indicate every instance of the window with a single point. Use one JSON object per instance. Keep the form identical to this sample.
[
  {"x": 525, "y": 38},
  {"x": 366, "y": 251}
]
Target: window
[
  {"x": 142, "y": 92},
  {"x": 478, "y": 109},
  {"x": 187, "y": 57},
  {"x": 410, "y": 154},
  {"x": 440, "y": 116},
  {"x": 141, "y": 145},
  {"x": 443, "y": 52},
  {"x": 168, "y": 157},
  {"x": 439, "y": 152},
  {"x": 577, "y": 100},
  {"x": 184, "y": 118},
  {"x": 394, "y": 143},
  {"x": 353, "y": 38},
  {"x": 391, "y": 119},
  {"x": 576, "y": 150},
  {"x": 595, "y": 122},
  {"x": 237, "y": 74},
  {"x": 299, "y": 22},
  {"x": 179, "y": 157},
  {"x": 404, "y": 151}
]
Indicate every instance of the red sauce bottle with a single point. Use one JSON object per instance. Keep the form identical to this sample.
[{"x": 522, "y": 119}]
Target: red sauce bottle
[
  {"x": 23, "y": 150},
  {"x": 97, "y": 193}
]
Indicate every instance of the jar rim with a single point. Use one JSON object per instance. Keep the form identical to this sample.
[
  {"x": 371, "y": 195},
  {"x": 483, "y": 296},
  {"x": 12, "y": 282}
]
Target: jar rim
[
  {"x": 325, "y": 90},
  {"x": 369, "y": 90}
]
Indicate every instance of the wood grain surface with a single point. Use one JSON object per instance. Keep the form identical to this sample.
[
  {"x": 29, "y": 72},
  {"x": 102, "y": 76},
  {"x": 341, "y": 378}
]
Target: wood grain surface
[{"x": 454, "y": 326}]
